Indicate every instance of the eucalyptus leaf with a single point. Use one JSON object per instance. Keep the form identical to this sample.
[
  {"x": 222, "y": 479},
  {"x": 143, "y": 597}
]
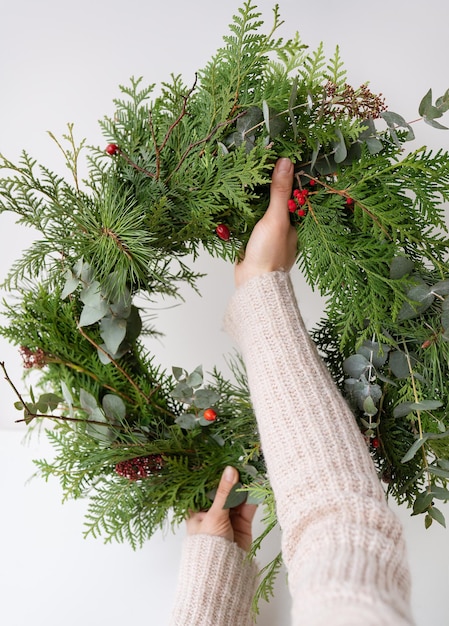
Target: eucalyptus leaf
[
  {"x": 114, "y": 407},
  {"x": 399, "y": 364},
  {"x": 356, "y": 365},
  {"x": 178, "y": 373},
  {"x": 106, "y": 358},
  {"x": 442, "y": 103},
  {"x": 187, "y": 421},
  {"x": 133, "y": 325},
  {"x": 374, "y": 352},
  {"x": 71, "y": 283},
  {"x": 442, "y": 288},
  {"x": 369, "y": 407},
  {"x": 425, "y": 103},
  {"x": 90, "y": 315},
  {"x": 404, "y": 408},
  {"x": 400, "y": 266},
  {"x": 422, "y": 502},
  {"x": 235, "y": 497},
  {"x": 195, "y": 379},
  {"x": 374, "y": 145},
  {"x": 112, "y": 331},
  {"x": 437, "y": 515},
  {"x": 183, "y": 392},
  {"x": 341, "y": 150},
  {"x": 204, "y": 398},
  {"x": 414, "y": 449},
  {"x": 434, "y": 124},
  {"x": 440, "y": 493}
]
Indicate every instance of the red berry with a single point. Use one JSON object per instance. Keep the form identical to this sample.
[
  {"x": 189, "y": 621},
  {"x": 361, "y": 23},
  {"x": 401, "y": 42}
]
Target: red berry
[
  {"x": 112, "y": 149},
  {"x": 209, "y": 415},
  {"x": 301, "y": 212},
  {"x": 301, "y": 200},
  {"x": 296, "y": 193},
  {"x": 223, "y": 232},
  {"x": 349, "y": 201},
  {"x": 291, "y": 206},
  {"x": 375, "y": 442},
  {"x": 312, "y": 182},
  {"x": 305, "y": 193}
]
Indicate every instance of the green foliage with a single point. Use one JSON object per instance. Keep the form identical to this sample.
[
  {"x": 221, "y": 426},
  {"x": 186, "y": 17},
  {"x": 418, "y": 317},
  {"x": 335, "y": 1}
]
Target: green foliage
[{"x": 371, "y": 230}]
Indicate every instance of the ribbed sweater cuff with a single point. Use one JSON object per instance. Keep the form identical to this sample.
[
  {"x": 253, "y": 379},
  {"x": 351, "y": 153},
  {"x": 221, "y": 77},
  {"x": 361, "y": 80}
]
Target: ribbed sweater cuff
[{"x": 216, "y": 584}]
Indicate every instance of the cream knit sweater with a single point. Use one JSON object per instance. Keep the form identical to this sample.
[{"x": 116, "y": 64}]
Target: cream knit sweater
[{"x": 342, "y": 546}]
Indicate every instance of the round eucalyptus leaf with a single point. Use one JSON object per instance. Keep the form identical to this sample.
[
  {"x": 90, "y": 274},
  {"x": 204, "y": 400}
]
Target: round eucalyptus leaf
[
  {"x": 112, "y": 331},
  {"x": 187, "y": 421},
  {"x": 90, "y": 315},
  {"x": 399, "y": 365},
  {"x": 204, "y": 398},
  {"x": 401, "y": 266},
  {"x": 374, "y": 352},
  {"x": 114, "y": 407},
  {"x": 71, "y": 283},
  {"x": 442, "y": 288},
  {"x": 355, "y": 365}
]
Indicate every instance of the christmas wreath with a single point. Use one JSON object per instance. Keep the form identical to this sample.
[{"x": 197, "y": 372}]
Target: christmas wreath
[{"x": 189, "y": 170}]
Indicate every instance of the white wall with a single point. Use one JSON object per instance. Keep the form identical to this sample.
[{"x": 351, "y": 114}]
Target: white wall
[{"x": 61, "y": 62}]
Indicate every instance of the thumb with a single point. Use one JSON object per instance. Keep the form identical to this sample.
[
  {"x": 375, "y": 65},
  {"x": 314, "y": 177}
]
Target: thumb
[
  {"x": 228, "y": 479},
  {"x": 281, "y": 189}
]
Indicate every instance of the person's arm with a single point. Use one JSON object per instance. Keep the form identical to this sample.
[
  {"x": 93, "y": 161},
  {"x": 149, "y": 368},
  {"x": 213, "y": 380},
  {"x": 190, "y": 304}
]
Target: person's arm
[
  {"x": 217, "y": 581},
  {"x": 343, "y": 547}
]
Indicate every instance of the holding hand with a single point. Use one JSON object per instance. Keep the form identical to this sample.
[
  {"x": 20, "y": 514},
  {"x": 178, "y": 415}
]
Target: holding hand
[
  {"x": 272, "y": 245},
  {"x": 232, "y": 524}
]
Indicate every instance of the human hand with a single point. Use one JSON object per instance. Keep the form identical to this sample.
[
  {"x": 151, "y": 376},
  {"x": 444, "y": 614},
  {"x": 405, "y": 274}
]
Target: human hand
[
  {"x": 272, "y": 244},
  {"x": 232, "y": 524}
]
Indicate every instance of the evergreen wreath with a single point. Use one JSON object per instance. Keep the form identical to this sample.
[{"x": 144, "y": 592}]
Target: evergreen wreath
[{"x": 189, "y": 170}]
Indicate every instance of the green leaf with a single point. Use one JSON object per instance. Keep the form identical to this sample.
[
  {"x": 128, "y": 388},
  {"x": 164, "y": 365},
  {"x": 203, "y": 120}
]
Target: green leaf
[
  {"x": 374, "y": 145},
  {"x": 374, "y": 352},
  {"x": 422, "y": 502},
  {"x": 204, "y": 398},
  {"x": 187, "y": 421},
  {"x": 71, "y": 283},
  {"x": 114, "y": 407},
  {"x": 90, "y": 315},
  {"x": 439, "y": 492},
  {"x": 341, "y": 151},
  {"x": 235, "y": 497},
  {"x": 427, "y": 521},
  {"x": 19, "y": 406},
  {"x": 355, "y": 365},
  {"x": 437, "y": 515},
  {"x": 51, "y": 400},
  {"x": 133, "y": 325},
  {"x": 421, "y": 294},
  {"x": 195, "y": 379},
  {"x": 442, "y": 103},
  {"x": 434, "y": 124},
  {"x": 183, "y": 392},
  {"x": 400, "y": 266},
  {"x": 425, "y": 103},
  {"x": 394, "y": 120},
  {"x": 442, "y": 288},
  {"x": 369, "y": 407},
  {"x": 399, "y": 363},
  {"x": 414, "y": 449},
  {"x": 112, "y": 331},
  {"x": 178, "y": 373},
  {"x": 404, "y": 408}
]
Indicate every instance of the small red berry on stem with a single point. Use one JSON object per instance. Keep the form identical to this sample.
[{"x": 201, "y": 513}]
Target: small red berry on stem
[
  {"x": 223, "y": 232},
  {"x": 301, "y": 212},
  {"x": 291, "y": 206},
  {"x": 312, "y": 182},
  {"x": 112, "y": 149},
  {"x": 209, "y": 415},
  {"x": 375, "y": 442}
]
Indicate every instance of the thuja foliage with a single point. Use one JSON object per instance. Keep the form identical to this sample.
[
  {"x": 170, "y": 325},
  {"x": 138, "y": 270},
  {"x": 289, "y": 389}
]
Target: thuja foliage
[{"x": 187, "y": 169}]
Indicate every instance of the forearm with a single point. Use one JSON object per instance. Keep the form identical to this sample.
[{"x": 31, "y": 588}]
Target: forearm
[
  {"x": 339, "y": 537},
  {"x": 216, "y": 584}
]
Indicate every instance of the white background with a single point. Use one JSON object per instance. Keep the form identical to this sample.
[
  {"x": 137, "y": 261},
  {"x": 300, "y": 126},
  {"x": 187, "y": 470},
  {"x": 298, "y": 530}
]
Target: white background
[{"x": 61, "y": 62}]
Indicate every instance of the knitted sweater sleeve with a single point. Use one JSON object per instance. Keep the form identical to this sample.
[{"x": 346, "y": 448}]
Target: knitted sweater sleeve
[
  {"x": 216, "y": 584},
  {"x": 342, "y": 546}
]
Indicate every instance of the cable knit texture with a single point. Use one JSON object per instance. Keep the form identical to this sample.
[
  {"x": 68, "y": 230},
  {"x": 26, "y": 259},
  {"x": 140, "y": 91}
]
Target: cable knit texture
[
  {"x": 216, "y": 584},
  {"x": 342, "y": 546}
]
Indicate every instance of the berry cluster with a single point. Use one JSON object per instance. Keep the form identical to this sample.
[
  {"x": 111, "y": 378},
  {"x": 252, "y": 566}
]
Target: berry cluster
[
  {"x": 297, "y": 203},
  {"x": 32, "y": 359},
  {"x": 139, "y": 467}
]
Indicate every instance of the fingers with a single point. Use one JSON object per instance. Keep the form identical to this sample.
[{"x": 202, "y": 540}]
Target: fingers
[
  {"x": 281, "y": 190},
  {"x": 228, "y": 479}
]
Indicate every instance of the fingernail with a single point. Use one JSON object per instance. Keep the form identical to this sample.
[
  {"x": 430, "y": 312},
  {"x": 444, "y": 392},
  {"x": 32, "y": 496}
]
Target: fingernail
[
  {"x": 229, "y": 474},
  {"x": 284, "y": 165}
]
